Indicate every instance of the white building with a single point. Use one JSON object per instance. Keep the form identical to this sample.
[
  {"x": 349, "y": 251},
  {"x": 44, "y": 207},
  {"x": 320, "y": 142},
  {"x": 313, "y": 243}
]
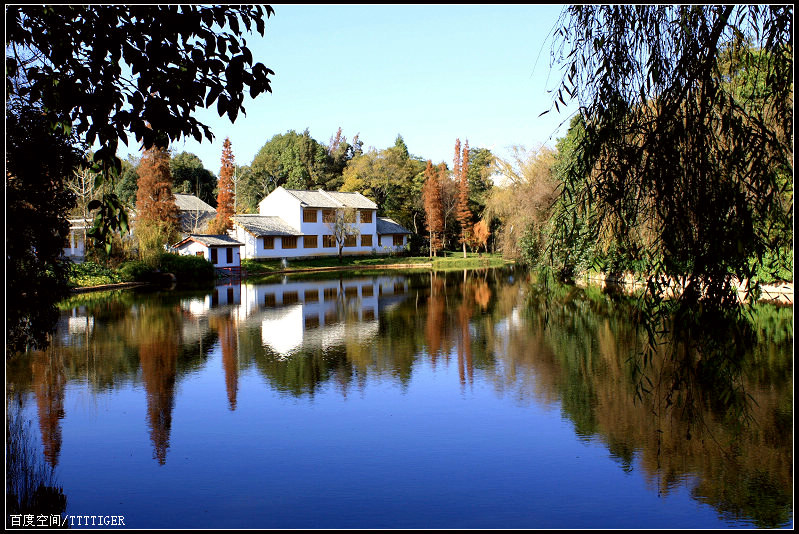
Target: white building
[
  {"x": 222, "y": 251},
  {"x": 297, "y": 224}
]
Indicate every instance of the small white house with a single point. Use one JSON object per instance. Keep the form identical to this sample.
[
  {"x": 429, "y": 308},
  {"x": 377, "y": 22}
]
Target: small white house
[
  {"x": 75, "y": 247},
  {"x": 297, "y": 224},
  {"x": 222, "y": 251}
]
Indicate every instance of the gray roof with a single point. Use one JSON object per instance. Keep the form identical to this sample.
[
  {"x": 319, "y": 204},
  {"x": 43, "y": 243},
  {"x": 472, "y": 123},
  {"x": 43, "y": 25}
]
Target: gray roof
[
  {"x": 194, "y": 220},
  {"x": 260, "y": 225},
  {"x": 212, "y": 240},
  {"x": 332, "y": 199},
  {"x": 388, "y": 226},
  {"x": 188, "y": 202}
]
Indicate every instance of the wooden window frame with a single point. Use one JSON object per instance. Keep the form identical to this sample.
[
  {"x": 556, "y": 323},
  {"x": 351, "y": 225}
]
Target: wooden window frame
[
  {"x": 368, "y": 219},
  {"x": 328, "y": 216},
  {"x": 310, "y": 215},
  {"x": 290, "y": 244},
  {"x": 269, "y": 242},
  {"x": 310, "y": 241},
  {"x": 364, "y": 238}
]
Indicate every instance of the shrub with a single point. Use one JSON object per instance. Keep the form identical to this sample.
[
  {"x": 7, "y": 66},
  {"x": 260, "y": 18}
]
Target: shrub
[
  {"x": 187, "y": 269},
  {"x": 136, "y": 271}
]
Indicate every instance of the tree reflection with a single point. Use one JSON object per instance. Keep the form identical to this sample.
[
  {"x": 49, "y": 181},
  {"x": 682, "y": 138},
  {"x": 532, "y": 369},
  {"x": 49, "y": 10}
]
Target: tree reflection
[
  {"x": 581, "y": 347},
  {"x": 49, "y": 382},
  {"x": 228, "y": 340},
  {"x": 158, "y": 352}
]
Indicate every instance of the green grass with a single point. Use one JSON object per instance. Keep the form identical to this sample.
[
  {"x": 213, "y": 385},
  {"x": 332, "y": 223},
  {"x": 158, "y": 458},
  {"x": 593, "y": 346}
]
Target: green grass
[
  {"x": 89, "y": 274},
  {"x": 450, "y": 260}
]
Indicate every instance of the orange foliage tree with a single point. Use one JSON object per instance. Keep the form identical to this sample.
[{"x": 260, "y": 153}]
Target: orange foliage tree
[
  {"x": 225, "y": 200},
  {"x": 155, "y": 202},
  {"x": 463, "y": 213},
  {"x": 433, "y": 208}
]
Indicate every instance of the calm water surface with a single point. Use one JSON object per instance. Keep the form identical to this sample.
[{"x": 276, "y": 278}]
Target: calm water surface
[{"x": 427, "y": 401}]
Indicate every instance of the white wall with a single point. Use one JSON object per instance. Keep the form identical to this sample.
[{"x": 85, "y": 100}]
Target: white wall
[
  {"x": 282, "y": 204},
  {"x": 191, "y": 248}
]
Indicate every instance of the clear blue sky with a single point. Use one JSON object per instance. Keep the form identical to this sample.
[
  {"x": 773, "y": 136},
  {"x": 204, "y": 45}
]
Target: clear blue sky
[{"x": 429, "y": 73}]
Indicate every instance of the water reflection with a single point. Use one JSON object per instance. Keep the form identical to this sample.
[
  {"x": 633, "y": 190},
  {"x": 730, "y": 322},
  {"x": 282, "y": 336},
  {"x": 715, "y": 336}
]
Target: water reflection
[{"x": 301, "y": 336}]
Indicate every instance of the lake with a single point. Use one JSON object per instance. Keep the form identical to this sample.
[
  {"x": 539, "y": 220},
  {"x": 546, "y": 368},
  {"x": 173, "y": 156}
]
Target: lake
[{"x": 403, "y": 400}]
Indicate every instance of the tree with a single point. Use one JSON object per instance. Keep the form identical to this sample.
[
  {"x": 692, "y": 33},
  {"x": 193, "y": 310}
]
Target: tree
[
  {"x": 96, "y": 73},
  {"x": 155, "y": 203},
  {"x": 226, "y": 198},
  {"x": 674, "y": 166},
  {"x": 433, "y": 209},
  {"x": 677, "y": 169},
  {"x": 342, "y": 227},
  {"x": 190, "y": 176},
  {"x": 37, "y": 206},
  {"x": 291, "y": 160},
  {"x": 523, "y": 202},
  {"x": 463, "y": 214},
  {"x": 389, "y": 178},
  {"x": 102, "y": 72},
  {"x": 480, "y": 234},
  {"x": 127, "y": 184}
]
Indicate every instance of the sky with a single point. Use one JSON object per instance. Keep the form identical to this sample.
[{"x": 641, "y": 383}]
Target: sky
[{"x": 432, "y": 74}]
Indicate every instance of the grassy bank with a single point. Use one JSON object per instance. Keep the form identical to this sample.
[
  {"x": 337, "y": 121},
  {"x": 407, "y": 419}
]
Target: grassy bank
[{"x": 450, "y": 260}]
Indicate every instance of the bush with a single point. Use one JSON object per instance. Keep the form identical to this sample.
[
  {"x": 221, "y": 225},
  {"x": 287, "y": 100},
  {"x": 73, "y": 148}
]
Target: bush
[
  {"x": 187, "y": 269},
  {"x": 91, "y": 274},
  {"x": 136, "y": 271}
]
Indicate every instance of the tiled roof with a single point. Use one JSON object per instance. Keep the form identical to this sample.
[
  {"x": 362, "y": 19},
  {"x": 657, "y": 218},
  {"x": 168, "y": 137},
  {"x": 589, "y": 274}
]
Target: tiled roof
[
  {"x": 259, "y": 225},
  {"x": 194, "y": 220},
  {"x": 212, "y": 240},
  {"x": 332, "y": 199},
  {"x": 388, "y": 226},
  {"x": 188, "y": 202}
]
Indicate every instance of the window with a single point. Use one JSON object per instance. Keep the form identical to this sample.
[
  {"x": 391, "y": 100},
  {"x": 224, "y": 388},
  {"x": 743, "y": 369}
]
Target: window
[
  {"x": 309, "y": 216},
  {"x": 309, "y": 241},
  {"x": 368, "y": 314},
  {"x": 351, "y": 292},
  {"x": 330, "y": 293},
  {"x": 311, "y": 295},
  {"x": 290, "y": 297},
  {"x": 229, "y": 254},
  {"x": 289, "y": 241},
  {"x": 269, "y": 242},
  {"x": 350, "y": 241},
  {"x": 366, "y": 240},
  {"x": 269, "y": 299},
  {"x": 349, "y": 216},
  {"x": 200, "y": 253},
  {"x": 367, "y": 291},
  {"x": 214, "y": 258},
  {"x": 230, "y": 295},
  {"x": 328, "y": 216},
  {"x": 328, "y": 241},
  {"x": 397, "y": 240},
  {"x": 366, "y": 217},
  {"x": 312, "y": 321}
]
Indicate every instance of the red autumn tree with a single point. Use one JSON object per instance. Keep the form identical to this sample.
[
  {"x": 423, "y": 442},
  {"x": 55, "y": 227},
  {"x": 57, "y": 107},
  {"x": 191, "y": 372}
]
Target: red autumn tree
[
  {"x": 225, "y": 200},
  {"x": 433, "y": 209},
  {"x": 155, "y": 203},
  {"x": 464, "y": 214}
]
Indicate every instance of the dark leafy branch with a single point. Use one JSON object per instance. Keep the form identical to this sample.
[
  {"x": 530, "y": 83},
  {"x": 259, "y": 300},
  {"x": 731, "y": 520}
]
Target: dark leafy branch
[{"x": 103, "y": 72}]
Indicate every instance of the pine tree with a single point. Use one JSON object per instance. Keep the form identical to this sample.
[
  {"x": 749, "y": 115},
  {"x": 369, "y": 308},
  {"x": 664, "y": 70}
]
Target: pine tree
[
  {"x": 464, "y": 214},
  {"x": 434, "y": 211},
  {"x": 225, "y": 207}
]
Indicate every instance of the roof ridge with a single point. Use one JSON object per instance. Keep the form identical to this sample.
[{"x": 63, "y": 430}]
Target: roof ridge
[{"x": 328, "y": 195}]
